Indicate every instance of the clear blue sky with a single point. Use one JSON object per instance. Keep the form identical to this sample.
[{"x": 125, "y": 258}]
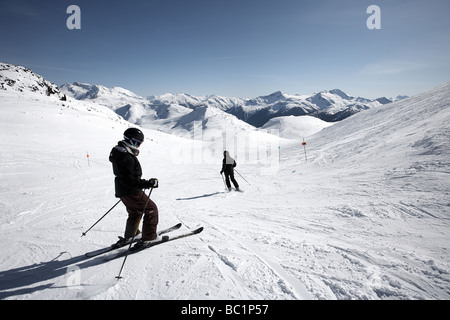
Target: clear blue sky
[{"x": 241, "y": 48}]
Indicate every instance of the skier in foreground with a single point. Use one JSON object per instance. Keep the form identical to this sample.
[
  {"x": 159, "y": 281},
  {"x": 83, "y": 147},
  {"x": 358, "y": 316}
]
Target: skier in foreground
[
  {"x": 129, "y": 188},
  {"x": 228, "y": 165}
]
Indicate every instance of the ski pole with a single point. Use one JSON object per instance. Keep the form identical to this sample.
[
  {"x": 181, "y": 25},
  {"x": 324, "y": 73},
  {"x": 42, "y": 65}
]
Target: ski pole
[
  {"x": 242, "y": 177},
  {"x": 84, "y": 233},
  {"x": 135, "y": 232},
  {"x": 224, "y": 183}
]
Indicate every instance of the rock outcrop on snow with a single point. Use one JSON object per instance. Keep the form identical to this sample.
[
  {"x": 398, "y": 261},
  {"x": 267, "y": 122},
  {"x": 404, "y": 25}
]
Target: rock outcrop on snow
[{"x": 21, "y": 79}]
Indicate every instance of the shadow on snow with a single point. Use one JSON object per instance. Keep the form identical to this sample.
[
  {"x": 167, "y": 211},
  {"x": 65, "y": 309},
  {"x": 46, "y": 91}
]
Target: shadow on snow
[
  {"x": 200, "y": 197},
  {"x": 15, "y": 282}
]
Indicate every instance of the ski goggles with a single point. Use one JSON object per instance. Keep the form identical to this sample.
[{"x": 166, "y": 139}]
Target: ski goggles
[{"x": 134, "y": 142}]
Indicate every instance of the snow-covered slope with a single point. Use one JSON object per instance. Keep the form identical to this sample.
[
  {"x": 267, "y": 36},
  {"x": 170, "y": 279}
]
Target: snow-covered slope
[
  {"x": 124, "y": 102},
  {"x": 377, "y": 187},
  {"x": 296, "y": 127},
  {"x": 82, "y": 91},
  {"x": 367, "y": 217}
]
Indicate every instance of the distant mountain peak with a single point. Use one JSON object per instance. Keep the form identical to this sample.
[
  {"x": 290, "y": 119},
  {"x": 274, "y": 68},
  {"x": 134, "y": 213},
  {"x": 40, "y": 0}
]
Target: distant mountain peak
[
  {"x": 400, "y": 97},
  {"x": 384, "y": 100},
  {"x": 277, "y": 96},
  {"x": 21, "y": 79},
  {"x": 340, "y": 93}
]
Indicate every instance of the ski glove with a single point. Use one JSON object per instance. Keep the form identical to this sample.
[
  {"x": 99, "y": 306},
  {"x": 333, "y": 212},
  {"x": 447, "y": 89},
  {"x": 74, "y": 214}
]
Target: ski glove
[{"x": 152, "y": 183}]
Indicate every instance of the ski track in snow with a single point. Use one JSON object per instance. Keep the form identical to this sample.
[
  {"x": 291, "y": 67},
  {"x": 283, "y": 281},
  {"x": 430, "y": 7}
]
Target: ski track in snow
[{"x": 337, "y": 227}]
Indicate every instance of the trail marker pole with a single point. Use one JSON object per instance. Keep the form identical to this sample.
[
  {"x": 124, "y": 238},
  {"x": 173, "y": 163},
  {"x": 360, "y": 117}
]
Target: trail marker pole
[
  {"x": 304, "y": 147},
  {"x": 279, "y": 154}
]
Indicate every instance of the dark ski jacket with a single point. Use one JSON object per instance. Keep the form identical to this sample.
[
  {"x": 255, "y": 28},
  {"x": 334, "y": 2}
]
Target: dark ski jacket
[
  {"x": 127, "y": 169},
  {"x": 228, "y": 164}
]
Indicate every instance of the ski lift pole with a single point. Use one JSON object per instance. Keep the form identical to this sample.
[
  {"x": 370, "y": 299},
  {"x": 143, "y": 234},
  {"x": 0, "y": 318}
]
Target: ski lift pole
[
  {"x": 84, "y": 233},
  {"x": 242, "y": 177},
  {"x": 135, "y": 233}
]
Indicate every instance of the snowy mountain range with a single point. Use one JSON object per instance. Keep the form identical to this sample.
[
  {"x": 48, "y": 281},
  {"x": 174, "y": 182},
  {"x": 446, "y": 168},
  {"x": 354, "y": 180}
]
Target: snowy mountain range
[
  {"x": 181, "y": 113},
  {"x": 333, "y": 105},
  {"x": 329, "y": 106},
  {"x": 366, "y": 217}
]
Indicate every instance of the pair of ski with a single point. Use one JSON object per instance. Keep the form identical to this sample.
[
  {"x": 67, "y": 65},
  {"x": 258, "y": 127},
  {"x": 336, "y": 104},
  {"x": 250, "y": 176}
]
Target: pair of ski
[{"x": 162, "y": 233}]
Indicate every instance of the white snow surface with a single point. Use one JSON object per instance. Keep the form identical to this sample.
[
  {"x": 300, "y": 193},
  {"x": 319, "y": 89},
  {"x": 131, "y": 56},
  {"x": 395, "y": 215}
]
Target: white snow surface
[
  {"x": 292, "y": 127},
  {"x": 366, "y": 217}
]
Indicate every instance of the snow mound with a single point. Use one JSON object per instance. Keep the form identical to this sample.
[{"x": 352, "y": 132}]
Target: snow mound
[{"x": 296, "y": 127}]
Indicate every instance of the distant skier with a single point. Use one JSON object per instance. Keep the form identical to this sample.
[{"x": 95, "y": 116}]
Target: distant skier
[
  {"x": 129, "y": 188},
  {"x": 228, "y": 165}
]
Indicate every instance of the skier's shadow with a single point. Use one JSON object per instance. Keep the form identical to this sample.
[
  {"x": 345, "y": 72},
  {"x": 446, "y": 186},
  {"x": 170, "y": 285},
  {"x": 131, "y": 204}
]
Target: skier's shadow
[
  {"x": 17, "y": 281},
  {"x": 200, "y": 197}
]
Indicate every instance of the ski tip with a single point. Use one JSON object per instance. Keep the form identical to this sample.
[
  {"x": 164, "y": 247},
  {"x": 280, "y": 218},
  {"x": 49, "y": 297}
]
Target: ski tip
[
  {"x": 198, "y": 230},
  {"x": 179, "y": 225}
]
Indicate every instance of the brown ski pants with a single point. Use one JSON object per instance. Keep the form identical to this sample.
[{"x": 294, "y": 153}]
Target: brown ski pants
[{"x": 135, "y": 205}]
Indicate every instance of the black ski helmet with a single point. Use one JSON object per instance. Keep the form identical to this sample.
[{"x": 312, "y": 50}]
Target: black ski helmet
[{"x": 133, "y": 136}]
